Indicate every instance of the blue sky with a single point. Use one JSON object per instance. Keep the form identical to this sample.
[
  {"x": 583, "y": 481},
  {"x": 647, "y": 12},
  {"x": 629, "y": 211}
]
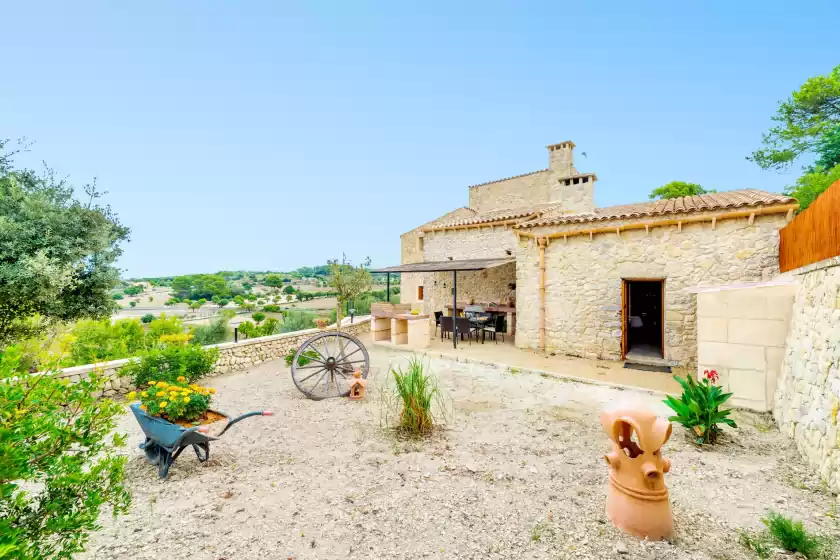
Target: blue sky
[{"x": 271, "y": 135}]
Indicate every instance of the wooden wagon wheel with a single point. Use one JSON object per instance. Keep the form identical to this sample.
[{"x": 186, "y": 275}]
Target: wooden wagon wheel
[{"x": 323, "y": 366}]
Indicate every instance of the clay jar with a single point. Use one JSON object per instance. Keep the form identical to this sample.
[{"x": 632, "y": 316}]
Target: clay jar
[{"x": 637, "y": 498}]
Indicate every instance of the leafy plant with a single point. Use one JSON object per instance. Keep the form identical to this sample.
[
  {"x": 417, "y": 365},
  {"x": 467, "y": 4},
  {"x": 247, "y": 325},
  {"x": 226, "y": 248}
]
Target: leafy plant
[
  {"x": 349, "y": 282},
  {"x": 214, "y": 333},
  {"x": 698, "y": 408},
  {"x": 258, "y": 317},
  {"x": 117, "y": 295},
  {"x": 169, "y": 362},
  {"x": 415, "y": 392},
  {"x": 304, "y": 359},
  {"x": 289, "y": 289},
  {"x": 132, "y": 304},
  {"x": 59, "y": 463},
  {"x": 792, "y": 535},
  {"x": 175, "y": 400},
  {"x": 297, "y": 321},
  {"x": 677, "y": 189},
  {"x": 271, "y": 308},
  {"x": 147, "y": 318},
  {"x": 133, "y": 290}
]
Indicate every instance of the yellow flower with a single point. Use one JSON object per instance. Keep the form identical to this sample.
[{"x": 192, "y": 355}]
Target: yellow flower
[
  {"x": 144, "y": 394},
  {"x": 152, "y": 383},
  {"x": 132, "y": 395},
  {"x": 212, "y": 391},
  {"x": 163, "y": 384},
  {"x": 142, "y": 407},
  {"x": 163, "y": 404},
  {"x": 160, "y": 394},
  {"x": 181, "y": 378},
  {"x": 186, "y": 399}
]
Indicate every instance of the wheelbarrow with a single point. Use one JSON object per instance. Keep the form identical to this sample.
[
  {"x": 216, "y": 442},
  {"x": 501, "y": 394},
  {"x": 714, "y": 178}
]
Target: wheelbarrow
[{"x": 165, "y": 441}]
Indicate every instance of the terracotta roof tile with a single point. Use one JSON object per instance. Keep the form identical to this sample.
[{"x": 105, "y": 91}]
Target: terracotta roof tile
[
  {"x": 513, "y": 177},
  {"x": 496, "y": 216},
  {"x": 686, "y": 204}
]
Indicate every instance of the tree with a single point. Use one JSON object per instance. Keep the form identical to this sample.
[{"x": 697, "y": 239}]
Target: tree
[
  {"x": 58, "y": 254},
  {"x": 289, "y": 289},
  {"x": 348, "y": 282},
  {"x": 677, "y": 189},
  {"x": 147, "y": 318},
  {"x": 239, "y": 300},
  {"x": 133, "y": 290},
  {"x": 132, "y": 303},
  {"x": 273, "y": 281},
  {"x": 258, "y": 317},
  {"x": 195, "y": 286},
  {"x": 804, "y": 119},
  {"x": 58, "y": 462},
  {"x": 812, "y": 184},
  {"x": 222, "y": 302},
  {"x": 196, "y": 305},
  {"x": 828, "y": 150}
]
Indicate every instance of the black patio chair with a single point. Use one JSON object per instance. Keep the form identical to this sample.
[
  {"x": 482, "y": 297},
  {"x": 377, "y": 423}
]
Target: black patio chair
[
  {"x": 497, "y": 327},
  {"x": 465, "y": 327},
  {"x": 438, "y": 315},
  {"x": 445, "y": 326}
]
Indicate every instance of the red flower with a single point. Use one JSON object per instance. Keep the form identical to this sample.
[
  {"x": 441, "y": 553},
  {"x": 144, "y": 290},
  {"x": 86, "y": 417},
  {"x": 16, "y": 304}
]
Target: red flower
[{"x": 711, "y": 375}]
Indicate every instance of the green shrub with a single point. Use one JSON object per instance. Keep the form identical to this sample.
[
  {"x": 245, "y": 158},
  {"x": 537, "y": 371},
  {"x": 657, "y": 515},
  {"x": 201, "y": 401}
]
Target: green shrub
[
  {"x": 100, "y": 341},
  {"x": 147, "y": 318},
  {"x": 271, "y": 308},
  {"x": 289, "y": 289},
  {"x": 117, "y": 295},
  {"x": 298, "y": 321},
  {"x": 169, "y": 362},
  {"x": 304, "y": 359},
  {"x": 132, "y": 304},
  {"x": 792, "y": 535},
  {"x": 260, "y": 302},
  {"x": 133, "y": 290},
  {"x": 59, "y": 463},
  {"x": 698, "y": 408},
  {"x": 258, "y": 317},
  {"x": 239, "y": 300},
  {"x": 172, "y": 301},
  {"x": 214, "y": 333},
  {"x": 251, "y": 297},
  {"x": 415, "y": 392},
  {"x": 222, "y": 302},
  {"x": 174, "y": 401}
]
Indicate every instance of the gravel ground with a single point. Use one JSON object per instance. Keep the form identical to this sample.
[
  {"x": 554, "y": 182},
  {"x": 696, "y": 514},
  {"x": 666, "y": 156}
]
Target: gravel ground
[{"x": 517, "y": 473}]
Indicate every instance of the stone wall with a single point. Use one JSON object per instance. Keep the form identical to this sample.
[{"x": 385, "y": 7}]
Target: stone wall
[
  {"x": 741, "y": 333},
  {"x": 233, "y": 356},
  {"x": 584, "y": 278},
  {"x": 412, "y": 252},
  {"x": 541, "y": 187},
  {"x": 808, "y": 391}
]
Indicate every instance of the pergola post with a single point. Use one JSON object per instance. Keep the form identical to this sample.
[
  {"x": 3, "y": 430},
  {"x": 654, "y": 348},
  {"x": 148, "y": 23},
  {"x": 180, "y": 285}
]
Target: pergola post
[
  {"x": 454, "y": 309},
  {"x": 387, "y": 287}
]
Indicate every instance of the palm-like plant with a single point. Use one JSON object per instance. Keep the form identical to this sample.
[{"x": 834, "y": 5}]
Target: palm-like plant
[{"x": 698, "y": 408}]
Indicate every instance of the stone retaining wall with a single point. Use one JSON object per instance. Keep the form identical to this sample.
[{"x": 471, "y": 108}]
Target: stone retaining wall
[
  {"x": 233, "y": 356},
  {"x": 808, "y": 390}
]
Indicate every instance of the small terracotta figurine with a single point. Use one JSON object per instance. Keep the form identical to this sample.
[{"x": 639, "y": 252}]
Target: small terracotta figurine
[
  {"x": 637, "y": 498},
  {"x": 357, "y": 386}
]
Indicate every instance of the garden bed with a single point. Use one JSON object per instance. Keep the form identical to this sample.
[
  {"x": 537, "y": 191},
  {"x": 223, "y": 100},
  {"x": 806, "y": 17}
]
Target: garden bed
[{"x": 518, "y": 473}]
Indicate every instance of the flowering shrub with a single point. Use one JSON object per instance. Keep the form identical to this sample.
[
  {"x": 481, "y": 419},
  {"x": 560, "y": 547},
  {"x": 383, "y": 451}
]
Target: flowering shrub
[
  {"x": 174, "y": 401},
  {"x": 170, "y": 362},
  {"x": 698, "y": 408}
]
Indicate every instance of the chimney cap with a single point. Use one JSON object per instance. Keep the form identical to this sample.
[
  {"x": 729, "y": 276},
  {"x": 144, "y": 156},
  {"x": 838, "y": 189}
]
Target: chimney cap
[{"x": 568, "y": 143}]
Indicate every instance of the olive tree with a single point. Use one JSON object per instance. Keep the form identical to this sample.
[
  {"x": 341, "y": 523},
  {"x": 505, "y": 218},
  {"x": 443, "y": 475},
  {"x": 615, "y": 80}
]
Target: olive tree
[
  {"x": 348, "y": 282},
  {"x": 59, "y": 253}
]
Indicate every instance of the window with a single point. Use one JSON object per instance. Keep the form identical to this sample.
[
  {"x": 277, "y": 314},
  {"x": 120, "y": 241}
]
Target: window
[{"x": 419, "y": 293}]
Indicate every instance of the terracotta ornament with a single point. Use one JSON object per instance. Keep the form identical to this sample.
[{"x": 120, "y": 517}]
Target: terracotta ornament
[
  {"x": 637, "y": 498},
  {"x": 357, "y": 386}
]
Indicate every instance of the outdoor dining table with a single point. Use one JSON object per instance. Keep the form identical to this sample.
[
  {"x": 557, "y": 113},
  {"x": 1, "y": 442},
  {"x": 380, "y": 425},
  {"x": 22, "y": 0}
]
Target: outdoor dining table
[{"x": 509, "y": 311}]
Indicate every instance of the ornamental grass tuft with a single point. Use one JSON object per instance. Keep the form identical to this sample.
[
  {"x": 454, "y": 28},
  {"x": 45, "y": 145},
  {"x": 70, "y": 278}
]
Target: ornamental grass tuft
[{"x": 416, "y": 392}]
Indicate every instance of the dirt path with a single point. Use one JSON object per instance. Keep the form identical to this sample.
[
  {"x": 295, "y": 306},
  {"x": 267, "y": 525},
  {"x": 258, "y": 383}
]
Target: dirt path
[{"x": 517, "y": 474}]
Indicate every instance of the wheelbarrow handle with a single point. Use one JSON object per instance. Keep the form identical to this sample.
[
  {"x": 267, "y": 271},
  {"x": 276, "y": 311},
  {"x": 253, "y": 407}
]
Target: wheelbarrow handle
[{"x": 244, "y": 416}]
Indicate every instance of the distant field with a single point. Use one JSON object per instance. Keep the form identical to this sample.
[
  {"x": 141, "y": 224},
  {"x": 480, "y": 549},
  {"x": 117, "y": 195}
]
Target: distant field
[{"x": 320, "y": 303}]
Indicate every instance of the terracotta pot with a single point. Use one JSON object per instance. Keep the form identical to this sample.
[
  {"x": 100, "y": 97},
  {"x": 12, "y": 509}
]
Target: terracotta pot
[{"x": 637, "y": 498}]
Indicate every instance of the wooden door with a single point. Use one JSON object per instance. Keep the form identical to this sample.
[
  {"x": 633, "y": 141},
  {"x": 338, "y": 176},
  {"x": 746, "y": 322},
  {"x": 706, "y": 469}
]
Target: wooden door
[{"x": 625, "y": 316}]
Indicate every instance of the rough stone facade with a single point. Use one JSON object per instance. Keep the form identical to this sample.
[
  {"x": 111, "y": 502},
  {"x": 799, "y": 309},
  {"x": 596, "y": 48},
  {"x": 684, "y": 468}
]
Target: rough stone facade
[
  {"x": 584, "y": 279},
  {"x": 807, "y": 401},
  {"x": 233, "y": 356},
  {"x": 412, "y": 248}
]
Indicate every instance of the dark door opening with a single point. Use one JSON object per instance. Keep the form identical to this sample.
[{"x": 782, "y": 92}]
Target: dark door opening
[{"x": 643, "y": 320}]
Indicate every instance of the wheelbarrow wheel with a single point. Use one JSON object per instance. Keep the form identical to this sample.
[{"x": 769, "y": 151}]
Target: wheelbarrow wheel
[
  {"x": 152, "y": 451},
  {"x": 323, "y": 366},
  {"x": 164, "y": 462}
]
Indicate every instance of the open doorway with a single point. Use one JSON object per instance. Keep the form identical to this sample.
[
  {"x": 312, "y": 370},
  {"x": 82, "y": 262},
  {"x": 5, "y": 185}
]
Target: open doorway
[{"x": 642, "y": 311}]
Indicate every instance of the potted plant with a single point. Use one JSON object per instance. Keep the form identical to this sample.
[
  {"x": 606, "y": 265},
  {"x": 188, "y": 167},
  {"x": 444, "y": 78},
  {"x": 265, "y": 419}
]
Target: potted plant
[{"x": 177, "y": 402}]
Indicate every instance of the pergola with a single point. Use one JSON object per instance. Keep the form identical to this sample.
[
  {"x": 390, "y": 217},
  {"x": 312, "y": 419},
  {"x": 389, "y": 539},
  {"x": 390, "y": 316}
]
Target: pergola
[{"x": 453, "y": 266}]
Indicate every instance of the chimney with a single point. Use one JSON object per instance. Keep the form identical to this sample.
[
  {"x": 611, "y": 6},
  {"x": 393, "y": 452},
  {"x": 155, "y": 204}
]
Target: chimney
[{"x": 560, "y": 157}]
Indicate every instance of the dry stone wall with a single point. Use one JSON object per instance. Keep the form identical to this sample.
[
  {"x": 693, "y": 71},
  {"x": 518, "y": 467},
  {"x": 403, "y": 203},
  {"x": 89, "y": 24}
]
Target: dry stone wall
[
  {"x": 584, "y": 278},
  {"x": 233, "y": 356},
  {"x": 807, "y": 400}
]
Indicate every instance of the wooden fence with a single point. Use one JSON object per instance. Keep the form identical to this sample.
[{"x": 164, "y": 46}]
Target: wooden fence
[{"x": 814, "y": 235}]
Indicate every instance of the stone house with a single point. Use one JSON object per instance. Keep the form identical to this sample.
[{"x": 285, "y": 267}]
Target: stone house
[{"x": 604, "y": 283}]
